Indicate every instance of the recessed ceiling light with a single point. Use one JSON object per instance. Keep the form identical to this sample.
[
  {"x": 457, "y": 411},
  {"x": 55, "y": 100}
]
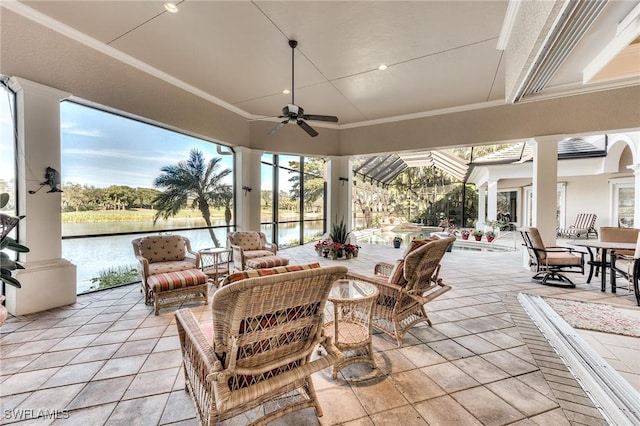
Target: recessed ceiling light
[
  {"x": 171, "y": 7},
  {"x": 286, "y": 91},
  {"x": 382, "y": 67}
]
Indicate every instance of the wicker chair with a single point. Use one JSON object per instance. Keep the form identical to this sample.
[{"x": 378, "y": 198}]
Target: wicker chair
[
  {"x": 161, "y": 254},
  {"x": 248, "y": 245},
  {"x": 265, "y": 331},
  {"x": 406, "y": 287}
]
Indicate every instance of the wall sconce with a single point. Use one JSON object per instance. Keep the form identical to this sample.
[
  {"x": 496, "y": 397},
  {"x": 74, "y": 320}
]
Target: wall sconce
[
  {"x": 343, "y": 180},
  {"x": 246, "y": 189},
  {"x": 52, "y": 178}
]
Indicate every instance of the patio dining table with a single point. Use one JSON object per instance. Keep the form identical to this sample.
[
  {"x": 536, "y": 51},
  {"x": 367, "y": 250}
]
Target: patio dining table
[{"x": 604, "y": 246}]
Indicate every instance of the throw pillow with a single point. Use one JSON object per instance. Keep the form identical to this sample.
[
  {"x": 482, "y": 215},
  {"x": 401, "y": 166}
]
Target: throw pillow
[{"x": 252, "y": 273}]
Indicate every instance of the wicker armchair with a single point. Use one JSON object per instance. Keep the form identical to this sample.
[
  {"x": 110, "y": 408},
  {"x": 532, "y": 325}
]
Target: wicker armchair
[
  {"x": 407, "y": 286},
  {"x": 249, "y": 245},
  {"x": 265, "y": 331},
  {"x": 160, "y": 254}
]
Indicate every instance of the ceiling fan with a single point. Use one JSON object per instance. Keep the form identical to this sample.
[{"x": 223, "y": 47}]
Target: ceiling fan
[{"x": 295, "y": 113}]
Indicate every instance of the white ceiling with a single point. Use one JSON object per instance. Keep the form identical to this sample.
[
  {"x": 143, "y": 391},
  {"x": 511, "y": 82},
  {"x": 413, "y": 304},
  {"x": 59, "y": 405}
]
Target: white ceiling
[{"x": 440, "y": 54}]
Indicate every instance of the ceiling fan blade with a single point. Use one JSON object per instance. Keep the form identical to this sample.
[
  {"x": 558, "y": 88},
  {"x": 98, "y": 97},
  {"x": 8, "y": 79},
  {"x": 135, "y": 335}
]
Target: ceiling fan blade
[
  {"x": 307, "y": 128},
  {"x": 330, "y": 118},
  {"x": 277, "y": 127}
]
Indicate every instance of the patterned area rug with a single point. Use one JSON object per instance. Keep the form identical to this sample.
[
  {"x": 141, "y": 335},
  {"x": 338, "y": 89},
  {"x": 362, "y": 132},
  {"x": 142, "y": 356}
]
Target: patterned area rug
[{"x": 595, "y": 316}]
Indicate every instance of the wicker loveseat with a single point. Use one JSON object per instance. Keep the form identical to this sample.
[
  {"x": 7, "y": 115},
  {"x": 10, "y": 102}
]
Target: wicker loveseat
[
  {"x": 260, "y": 345},
  {"x": 248, "y": 245},
  {"x": 407, "y": 286}
]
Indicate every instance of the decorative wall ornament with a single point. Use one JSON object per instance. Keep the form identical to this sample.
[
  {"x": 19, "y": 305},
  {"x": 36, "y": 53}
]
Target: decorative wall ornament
[{"x": 52, "y": 178}]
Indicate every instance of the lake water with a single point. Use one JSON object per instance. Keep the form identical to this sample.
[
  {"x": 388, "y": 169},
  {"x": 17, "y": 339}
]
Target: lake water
[{"x": 92, "y": 255}]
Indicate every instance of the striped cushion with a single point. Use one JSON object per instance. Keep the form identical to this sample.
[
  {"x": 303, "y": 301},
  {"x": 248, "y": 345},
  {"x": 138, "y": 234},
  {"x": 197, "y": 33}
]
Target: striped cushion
[
  {"x": 237, "y": 276},
  {"x": 266, "y": 262},
  {"x": 175, "y": 280},
  {"x": 397, "y": 275}
]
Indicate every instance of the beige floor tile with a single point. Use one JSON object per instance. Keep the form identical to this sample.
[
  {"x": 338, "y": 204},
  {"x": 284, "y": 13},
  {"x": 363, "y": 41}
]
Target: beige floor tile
[
  {"x": 445, "y": 411},
  {"x": 450, "y": 350},
  {"x": 392, "y": 361},
  {"x": 147, "y": 411},
  {"x": 74, "y": 373},
  {"x": 151, "y": 383},
  {"x": 95, "y": 353},
  {"x": 340, "y": 405},
  {"x": 112, "y": 337},
  {"x": 476, "y": 344},
  {"x": 405, "y": 415},
  {"x": 98, "y": 392},
  {"x": 26, "y": 382},
  {"x": 488, "y": 408},
  {"x": 416, "y": 386},
  {"x": 449, "y": 377},
  {"x": 524, "y": 398},
  {"x": 179, "y": 407},
  {"x": 510, "y": 363},
  {"x": 136, "y": 347},
  {"x": 421, "y": 355},
  {"x": 117, "y": 367},
  {"x": 162, "y": 360},
  {"x": 53, "y": 399},
  {"x": 480, "y": 369},
  {"x": 370, "y": 400}
]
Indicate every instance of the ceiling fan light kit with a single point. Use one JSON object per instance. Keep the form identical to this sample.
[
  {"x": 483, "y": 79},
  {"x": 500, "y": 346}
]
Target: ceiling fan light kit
[{"x": 292, "y": 112}]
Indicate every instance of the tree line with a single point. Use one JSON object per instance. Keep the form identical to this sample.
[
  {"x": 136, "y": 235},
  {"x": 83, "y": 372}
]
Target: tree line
[{"x": 77, "y": 198}]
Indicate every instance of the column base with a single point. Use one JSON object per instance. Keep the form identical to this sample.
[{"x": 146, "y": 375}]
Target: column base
[{"x": 45, "y": 285}]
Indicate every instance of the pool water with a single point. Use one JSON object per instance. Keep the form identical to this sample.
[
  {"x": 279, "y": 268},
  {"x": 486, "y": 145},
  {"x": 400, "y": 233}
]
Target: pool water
[{"x": 386, "y": 238}]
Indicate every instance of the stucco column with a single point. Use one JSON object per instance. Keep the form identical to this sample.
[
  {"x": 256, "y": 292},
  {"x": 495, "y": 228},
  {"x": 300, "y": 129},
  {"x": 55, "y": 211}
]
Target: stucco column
[
  {"x": 482, "y": 210},
  {"x": 545, "y": 186},
  {"x": 248, "y": 191},
  {"x": 48, "y": 281},
  {"x": 492, "y": 200},
  {"x": 339, "y": 181},
  {"x": 636, "y": 201}
]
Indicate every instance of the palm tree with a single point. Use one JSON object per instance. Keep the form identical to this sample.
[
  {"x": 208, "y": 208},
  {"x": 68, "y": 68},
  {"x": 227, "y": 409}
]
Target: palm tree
[{"x": 191, "y": 180}]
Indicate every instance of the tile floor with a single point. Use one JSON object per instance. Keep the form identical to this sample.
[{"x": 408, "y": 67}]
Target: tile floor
[{"x": 108, "y": 360}]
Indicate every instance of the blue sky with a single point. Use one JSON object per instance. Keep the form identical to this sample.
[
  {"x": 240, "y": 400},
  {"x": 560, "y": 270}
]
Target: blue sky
[{"x": 102, "y": 149}]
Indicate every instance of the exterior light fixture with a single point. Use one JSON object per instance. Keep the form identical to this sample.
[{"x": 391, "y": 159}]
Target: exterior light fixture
[
  {"x": 382, "y": 67},
  {"x": 286, "y": 91},
  {"x": 171, "y": 7}
]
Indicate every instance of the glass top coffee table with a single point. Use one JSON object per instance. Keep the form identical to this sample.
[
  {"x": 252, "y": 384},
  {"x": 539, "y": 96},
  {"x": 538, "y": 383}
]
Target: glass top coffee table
[{"x": 348, "y": 321}]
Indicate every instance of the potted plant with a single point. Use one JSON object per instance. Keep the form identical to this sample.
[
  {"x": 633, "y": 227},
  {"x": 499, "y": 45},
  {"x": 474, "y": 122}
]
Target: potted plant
[
  {"x": 490, "y": 235},
  {"x": 477, "y": 234},
  {"x": 338, "y": 236},
  {"x": 465, "y": 234},
  {"x": 397, "y": 241},
  {"x": 7, "y": 264}
]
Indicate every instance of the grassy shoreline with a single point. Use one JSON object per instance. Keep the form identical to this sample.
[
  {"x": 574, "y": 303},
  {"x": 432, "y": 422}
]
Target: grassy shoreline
[{"x": 138, "y": 215}]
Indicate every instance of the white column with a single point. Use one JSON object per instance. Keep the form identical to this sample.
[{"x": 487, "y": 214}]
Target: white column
[
  {"x": 636, "y": 201},
  {"x": 248, "y": 188},
  {"x": 48, "y": 281},
  {"x": 482, "y": 211},
  {"x": 339, "y": 182},
  {"x": 545, "y": 186},
  {"x": 492, "y": 200}
]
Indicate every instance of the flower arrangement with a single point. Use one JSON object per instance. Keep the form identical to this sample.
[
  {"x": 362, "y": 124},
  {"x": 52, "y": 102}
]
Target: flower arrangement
[
  {"x": 465, "y": 234},
  {"x": 490, "y": 234},
  {"x": 445, "y": 223},
  {"x": 351, "y": 250},
  {"x": 477, "y": 233},
  {"x": 322, "y": 246}
]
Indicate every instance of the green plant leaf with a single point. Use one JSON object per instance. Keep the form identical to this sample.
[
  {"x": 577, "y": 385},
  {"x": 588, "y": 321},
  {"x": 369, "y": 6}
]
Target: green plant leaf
[
  {"x": 9, "y": 280},
  {"x": 4, "y": 199}
]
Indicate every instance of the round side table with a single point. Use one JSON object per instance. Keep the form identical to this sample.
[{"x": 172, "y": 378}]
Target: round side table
[{"x": 348, "y": 322}]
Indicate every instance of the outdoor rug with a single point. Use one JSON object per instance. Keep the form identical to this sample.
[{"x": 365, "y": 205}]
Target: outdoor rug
[{"x": 595, "y": 316}]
